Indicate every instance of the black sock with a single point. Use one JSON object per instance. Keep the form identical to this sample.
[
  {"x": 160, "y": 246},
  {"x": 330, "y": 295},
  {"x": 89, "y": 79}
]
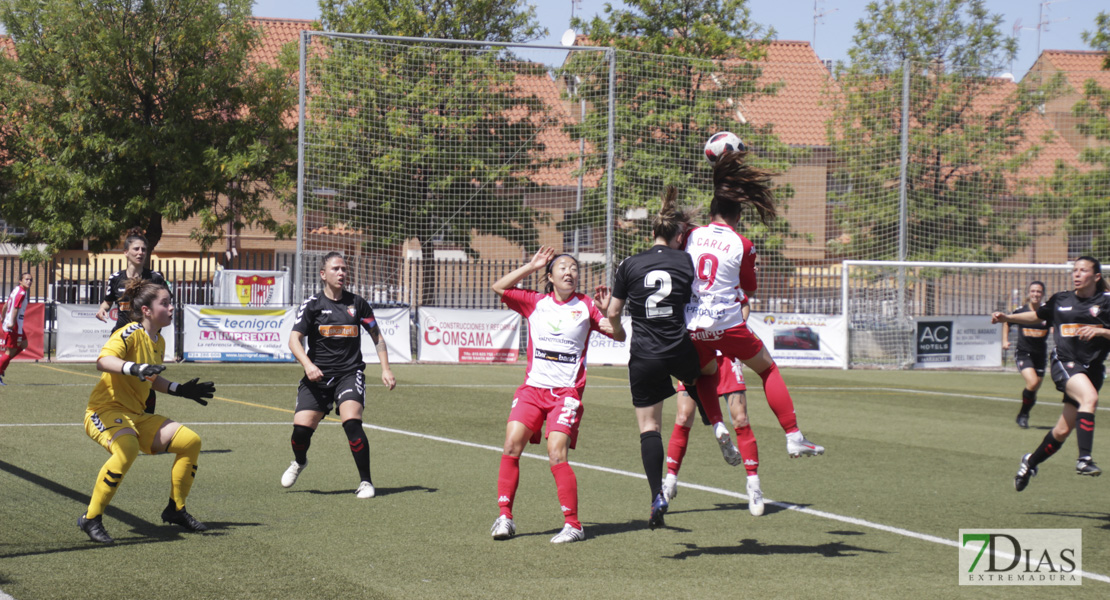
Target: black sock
[
  {"x": 301, "y": 440},
  {"x": 1028, "y": 399},
  {"x": 652, "y": 453},
  {"x": 1085, "y": 432},
  {"x": 360, "y": 446},
  {"x": 1049, "y": 446}
]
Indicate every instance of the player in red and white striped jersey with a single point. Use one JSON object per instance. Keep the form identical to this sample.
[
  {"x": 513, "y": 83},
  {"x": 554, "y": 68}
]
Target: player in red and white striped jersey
[
  {"x": 12, "y": 340},
  {"x": 724, "y": 264},
  {"x": 559, "y": 325}
]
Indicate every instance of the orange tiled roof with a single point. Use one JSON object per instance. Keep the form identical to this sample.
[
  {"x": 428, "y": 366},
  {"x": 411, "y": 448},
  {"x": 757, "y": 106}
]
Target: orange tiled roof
[
  {"x": 800, "y": 109},
  {"x": 276, "y": 33},
  {"x": 1079, "y": 66}
]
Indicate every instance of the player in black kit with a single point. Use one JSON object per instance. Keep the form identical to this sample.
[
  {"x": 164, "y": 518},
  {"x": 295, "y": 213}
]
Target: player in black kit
[
  {"x": 135, "y": 249},
  {"x": 657, "y": 284},
  {"x": 1031, "y": 352},
  {"x": 333, "y": 367},
  {"x": 1080, "y": 318}
]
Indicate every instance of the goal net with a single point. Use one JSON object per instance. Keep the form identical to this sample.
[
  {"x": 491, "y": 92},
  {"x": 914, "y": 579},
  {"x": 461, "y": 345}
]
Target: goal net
[{"x": 882, "y": 301}]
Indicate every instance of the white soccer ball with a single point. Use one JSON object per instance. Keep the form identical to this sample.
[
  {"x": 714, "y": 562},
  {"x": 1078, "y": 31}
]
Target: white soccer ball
[{"x": 719, "y": 143}]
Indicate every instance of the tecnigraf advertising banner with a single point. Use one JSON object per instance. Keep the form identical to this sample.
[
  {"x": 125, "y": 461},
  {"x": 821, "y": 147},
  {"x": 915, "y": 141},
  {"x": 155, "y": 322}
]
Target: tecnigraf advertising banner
[
  {"x": 950, "y": 342},
  {"x": 468, "y": 336},
  {"x": 230, "y": 334},
  {"x": 802, "y": 340},
  {"x": 81, "y": 335}
]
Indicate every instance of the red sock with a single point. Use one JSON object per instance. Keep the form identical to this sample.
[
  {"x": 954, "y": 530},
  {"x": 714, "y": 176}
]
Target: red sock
[
  {"x": 507, "y": 480},
  {"x": 566, "y": 485},
  {"x": 5, "y": 358},
  {"x": 707, "y": 396},
  {"x": 745, "y": 442},
  {"x": 778, "y": 397},
  {"x": 676, "y": 448}
]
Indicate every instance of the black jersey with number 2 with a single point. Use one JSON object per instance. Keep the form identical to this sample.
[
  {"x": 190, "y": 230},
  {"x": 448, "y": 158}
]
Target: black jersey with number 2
[
  {"x": 1068, "y": 313},
  {"x": 116, "y": 293},
  {"x": 657, "y": 285},
  {"x": 332, "y": 330}
]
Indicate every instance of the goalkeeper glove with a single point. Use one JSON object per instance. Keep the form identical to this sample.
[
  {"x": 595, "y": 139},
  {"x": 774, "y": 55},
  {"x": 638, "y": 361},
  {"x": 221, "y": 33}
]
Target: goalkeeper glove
[
  {"x": 141, "y": 370},
  {"x": 194, "y": 391}
]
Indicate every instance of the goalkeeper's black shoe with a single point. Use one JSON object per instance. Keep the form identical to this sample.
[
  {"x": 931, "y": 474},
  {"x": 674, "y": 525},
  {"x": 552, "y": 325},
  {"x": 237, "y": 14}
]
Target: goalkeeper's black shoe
[
  {"x": 182, "y": 518},
  {"x": 94, "y": 528}
]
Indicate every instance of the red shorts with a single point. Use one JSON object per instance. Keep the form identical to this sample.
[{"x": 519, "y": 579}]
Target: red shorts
[
  {"x": 729, "y": 379},
  {"x": 737, "y": 342},
  {"x": 561, "y": 408},
  {"x": 11, "y": 339}
]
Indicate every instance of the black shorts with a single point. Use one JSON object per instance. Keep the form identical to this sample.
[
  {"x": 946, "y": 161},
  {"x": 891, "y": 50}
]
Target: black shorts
[
  {"x": 650, "y": 378},
  {"x": 1063, "y": 371},
  {"x": 321, "y": 395},
  {"x": 1025, "y": 361}
]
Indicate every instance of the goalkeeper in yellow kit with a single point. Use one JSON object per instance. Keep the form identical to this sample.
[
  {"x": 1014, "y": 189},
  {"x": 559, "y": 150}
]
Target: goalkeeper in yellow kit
[{"x": 130, "y": 362}]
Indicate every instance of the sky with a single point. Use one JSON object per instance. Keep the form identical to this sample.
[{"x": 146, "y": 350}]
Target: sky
[{"x": 1061, "y": 22}]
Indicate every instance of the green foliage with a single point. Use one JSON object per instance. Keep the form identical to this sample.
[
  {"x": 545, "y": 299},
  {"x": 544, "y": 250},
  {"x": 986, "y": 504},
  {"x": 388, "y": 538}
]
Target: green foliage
[
  {"x": 965, "y": 138},
  {"x": 1087, "y": 190},
  {"x": 120, "y": 113},
  {"x": 674, "y": 90},
  {"x": 435, "y": 136},
  {"x": 486, "y": 20}
]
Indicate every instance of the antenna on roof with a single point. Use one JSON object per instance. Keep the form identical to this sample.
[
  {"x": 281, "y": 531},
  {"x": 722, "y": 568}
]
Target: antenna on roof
[
  {"x": 1042, "y": 23},
  {"x": 818, "y": 17}
]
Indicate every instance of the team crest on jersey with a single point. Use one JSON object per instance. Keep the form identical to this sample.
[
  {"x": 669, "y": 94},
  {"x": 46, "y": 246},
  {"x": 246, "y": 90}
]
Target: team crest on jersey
[
  {"x": 1094, "y": 310},
  {"x": 351, "y": 310},
  {"x": 1071, "y": 365}
]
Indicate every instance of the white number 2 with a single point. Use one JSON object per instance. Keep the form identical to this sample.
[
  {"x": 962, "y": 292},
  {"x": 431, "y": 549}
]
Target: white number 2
[{"x": 663, "y": 280}]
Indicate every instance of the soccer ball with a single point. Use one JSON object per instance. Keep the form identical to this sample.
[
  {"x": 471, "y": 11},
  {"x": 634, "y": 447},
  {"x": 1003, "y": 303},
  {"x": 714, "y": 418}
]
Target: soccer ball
[{"x": 722, "y": 142}]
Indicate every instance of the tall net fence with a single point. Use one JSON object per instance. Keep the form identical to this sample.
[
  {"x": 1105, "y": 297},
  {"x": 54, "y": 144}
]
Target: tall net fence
[{"x": 437, "y": 167}]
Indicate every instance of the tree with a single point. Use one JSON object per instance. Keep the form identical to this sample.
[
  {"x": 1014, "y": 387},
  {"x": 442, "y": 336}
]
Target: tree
[
  {"x": 436, "y": 137},
  {"x": 966, "y": 134},
  {"x": 117, "y": 113},
  {"x": 1087, "y": 190},
  {"x": 682, "y": 67}
]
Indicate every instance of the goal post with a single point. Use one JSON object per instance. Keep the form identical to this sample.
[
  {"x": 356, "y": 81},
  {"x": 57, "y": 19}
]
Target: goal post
[{"x": 882, "y": 300}]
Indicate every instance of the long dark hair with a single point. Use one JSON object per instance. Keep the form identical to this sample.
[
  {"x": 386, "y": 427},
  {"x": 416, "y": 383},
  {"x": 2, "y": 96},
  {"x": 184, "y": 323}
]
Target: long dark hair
[
  {"x": 671, "y": 219},
  {"x": 1100, "y": 285},
  {"x": 737, "y": 183},
  {"x": 142, "y": 292}
]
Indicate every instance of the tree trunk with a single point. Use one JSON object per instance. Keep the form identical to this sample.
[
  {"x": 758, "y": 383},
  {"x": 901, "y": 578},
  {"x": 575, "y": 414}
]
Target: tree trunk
[{"x": 153, "y": 235}]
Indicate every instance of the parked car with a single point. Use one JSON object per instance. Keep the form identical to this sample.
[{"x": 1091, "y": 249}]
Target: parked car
[{"x": 798, "y": 338}]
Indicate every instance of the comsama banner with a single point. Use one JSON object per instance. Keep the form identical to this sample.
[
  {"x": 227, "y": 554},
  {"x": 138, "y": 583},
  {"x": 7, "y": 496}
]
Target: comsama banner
[
  {"x": 803, "y": 340},
  {"x": 396, "y": 327},
  {"x": 468, "y": 336},
  {"x": 604, "y": 350},
  {"x": 81, "y": 335},
  {"x": 32, "y": 330},
  {"x": 947, "y": 342},
  {"x": 230, "y": 334}
]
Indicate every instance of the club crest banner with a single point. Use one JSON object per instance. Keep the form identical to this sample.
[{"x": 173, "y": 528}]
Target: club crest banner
[{"x": 250, "y": 289}]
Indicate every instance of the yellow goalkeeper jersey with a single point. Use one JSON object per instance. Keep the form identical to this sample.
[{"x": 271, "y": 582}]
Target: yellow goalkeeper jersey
[{"x": 126, "y": 392}]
